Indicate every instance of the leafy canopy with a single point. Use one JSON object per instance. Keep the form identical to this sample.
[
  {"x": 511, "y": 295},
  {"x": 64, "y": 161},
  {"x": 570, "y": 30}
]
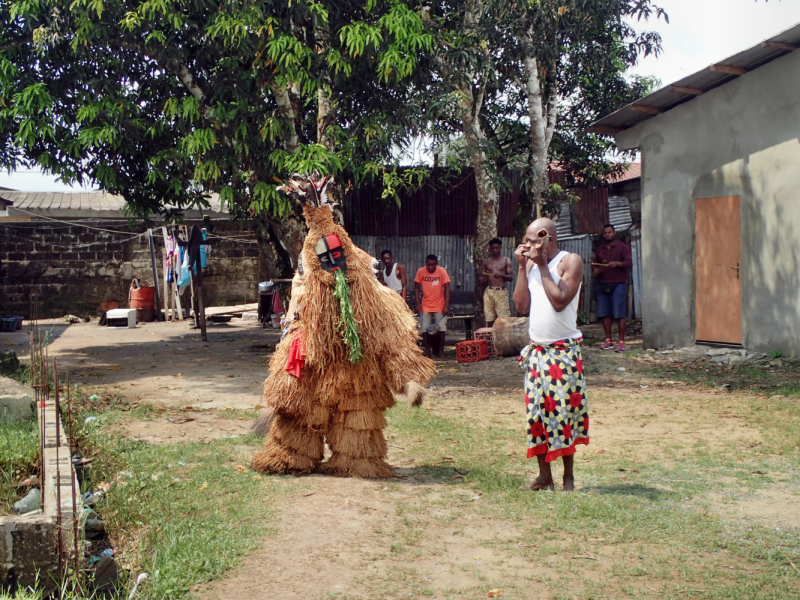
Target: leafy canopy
[{"x": 168, "y": 101}]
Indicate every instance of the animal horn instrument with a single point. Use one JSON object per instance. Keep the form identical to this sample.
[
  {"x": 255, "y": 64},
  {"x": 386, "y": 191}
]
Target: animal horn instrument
[{"x": 542, "y": 240}]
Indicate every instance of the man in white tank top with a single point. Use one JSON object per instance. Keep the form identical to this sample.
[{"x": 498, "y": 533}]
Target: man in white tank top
[
  {"x": 393, "y": 275},
  {"x": 548, "y": 283}
]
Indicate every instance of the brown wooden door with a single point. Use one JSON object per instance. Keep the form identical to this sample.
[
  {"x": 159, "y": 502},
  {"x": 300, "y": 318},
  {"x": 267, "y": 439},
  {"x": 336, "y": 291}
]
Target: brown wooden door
[{"x": 718, "y": 284}]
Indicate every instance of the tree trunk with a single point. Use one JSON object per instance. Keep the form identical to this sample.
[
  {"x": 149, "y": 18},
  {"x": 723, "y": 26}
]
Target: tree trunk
[
  {"x": 537, "y": 159},
  {"x": 486, "y": 225}
]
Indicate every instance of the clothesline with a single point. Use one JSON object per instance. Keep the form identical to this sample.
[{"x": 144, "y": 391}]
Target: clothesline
[
  {"x": 75, "y": 246},
  {"x": 232, "y": 239},
  {"x": 132, "y": 235}
]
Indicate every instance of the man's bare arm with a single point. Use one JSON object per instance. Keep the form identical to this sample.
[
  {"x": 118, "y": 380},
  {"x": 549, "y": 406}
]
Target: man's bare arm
[
  {"x": 417, "y": 298},
  {"x": 401, "y": 271},
  {"x": 446, "y": 291},
  {"x": 561, "y": 294},
  {"x": 522, "y": 295},
  {"x": 507, "y": 274}
]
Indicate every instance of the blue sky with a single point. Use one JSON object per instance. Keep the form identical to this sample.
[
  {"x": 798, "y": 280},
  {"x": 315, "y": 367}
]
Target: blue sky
[{"x": 699, "y": 33}]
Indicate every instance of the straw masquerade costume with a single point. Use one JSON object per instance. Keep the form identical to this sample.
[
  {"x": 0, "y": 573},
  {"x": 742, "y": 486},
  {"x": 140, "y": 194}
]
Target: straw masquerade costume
[{"x": 352, "y": 343}]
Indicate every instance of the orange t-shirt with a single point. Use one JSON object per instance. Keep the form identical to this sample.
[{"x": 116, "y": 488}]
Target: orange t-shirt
[{"x": 432, "y": 288}]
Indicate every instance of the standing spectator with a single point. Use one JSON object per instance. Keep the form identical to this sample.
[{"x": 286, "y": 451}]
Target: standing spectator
[
  {"x": 393, "y": 275},
  {"x": 548, "y": 282},
  {"x": 433, "y": 284},
  {"x": 611, "y": 264},
  {"x": 496, "y": 272}
]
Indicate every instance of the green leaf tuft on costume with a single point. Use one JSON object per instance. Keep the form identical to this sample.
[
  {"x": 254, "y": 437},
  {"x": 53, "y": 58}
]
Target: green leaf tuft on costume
[{"x": 347, "y": 323}]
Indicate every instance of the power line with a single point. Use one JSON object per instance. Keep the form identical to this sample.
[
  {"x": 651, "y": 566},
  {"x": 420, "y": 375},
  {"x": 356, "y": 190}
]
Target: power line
[
  {"x": 75, "y": 246},
  {"x": 133, "y": 235}
]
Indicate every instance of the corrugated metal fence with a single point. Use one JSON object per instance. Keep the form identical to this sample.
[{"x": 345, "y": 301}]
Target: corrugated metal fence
[{"x": 454, "y": 253}]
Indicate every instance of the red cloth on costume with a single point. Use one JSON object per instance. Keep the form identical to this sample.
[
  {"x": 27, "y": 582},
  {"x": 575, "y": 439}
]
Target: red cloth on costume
[{"x": 297, "y": 353}]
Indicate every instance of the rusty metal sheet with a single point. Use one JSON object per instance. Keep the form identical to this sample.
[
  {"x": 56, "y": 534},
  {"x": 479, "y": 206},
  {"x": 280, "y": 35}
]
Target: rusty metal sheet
[{"x": 590, "y": 212}]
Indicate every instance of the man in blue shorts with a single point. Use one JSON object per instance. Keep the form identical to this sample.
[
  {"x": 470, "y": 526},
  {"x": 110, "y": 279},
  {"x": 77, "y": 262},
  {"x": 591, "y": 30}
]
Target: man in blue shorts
[{"x": 611, "y": 264}]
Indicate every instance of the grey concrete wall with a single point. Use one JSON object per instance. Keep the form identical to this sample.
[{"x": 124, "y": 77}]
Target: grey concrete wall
[
  {"x": 72, "y": 269},
  {"x": 740, "y": 139}
]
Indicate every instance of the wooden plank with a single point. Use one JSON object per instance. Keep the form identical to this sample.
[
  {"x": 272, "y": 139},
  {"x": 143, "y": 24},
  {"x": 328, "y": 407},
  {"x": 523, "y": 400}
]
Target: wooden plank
[
  {"x": 157, "y": 305},
  {"x": 649, "y": 110},
  {"x": 602, "y": 129},
  {"x": 729, "y": 69},
  {"x": 778, "y": 45},
  {"x": 195, "y": 312},
  {"x": 177, "y": 297},
  {"x": 679, "y": 89},
  {"x": 168, "y": 298}
]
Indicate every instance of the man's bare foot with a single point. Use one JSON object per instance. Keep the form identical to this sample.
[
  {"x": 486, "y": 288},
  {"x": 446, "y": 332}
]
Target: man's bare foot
[
  {"x": 540, "y": 483},
  {"x": 569, "y": 484}
]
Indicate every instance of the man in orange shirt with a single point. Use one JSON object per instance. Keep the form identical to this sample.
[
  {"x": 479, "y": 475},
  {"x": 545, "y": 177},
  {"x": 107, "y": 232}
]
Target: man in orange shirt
[{"x": 433, "y": 283}]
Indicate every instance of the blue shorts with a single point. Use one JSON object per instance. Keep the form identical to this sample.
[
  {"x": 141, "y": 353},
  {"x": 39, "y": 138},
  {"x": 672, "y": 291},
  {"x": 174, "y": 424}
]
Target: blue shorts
[{"x": 614, "y": 304}]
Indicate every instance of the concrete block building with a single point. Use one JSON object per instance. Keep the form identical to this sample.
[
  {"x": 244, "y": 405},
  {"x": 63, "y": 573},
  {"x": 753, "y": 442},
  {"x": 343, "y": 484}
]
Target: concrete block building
[{"x": 721, "y": 201}]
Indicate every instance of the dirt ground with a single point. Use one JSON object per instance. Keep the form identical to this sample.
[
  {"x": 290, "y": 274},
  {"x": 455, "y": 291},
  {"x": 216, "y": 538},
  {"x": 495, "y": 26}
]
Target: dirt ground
[
  {"x": 332, "y": 539},
  {"x": 164, "y": 364}
]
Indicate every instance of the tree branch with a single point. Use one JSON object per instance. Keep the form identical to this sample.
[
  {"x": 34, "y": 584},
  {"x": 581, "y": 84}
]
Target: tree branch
[{"x": 287, "y": 108}]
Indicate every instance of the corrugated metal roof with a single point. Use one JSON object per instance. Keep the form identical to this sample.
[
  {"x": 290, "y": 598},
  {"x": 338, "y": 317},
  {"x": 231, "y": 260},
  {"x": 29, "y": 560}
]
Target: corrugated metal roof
[
  {"x": 79, "y": 204},
  {"x": 709, "y": 78},
  {"x": 634, "y": 171}
]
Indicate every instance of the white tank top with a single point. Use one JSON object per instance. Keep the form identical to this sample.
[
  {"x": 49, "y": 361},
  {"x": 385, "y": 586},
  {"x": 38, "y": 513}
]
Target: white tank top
[
  {"x": 545, "y": 325},
  {"x": 392, "y": 280}
]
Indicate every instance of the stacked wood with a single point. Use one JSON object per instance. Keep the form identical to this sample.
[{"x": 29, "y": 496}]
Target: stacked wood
[{"x": 510, "y": 335}]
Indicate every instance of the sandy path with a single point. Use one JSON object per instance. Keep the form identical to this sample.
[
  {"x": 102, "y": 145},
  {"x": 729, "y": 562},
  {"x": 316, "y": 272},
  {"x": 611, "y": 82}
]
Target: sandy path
[{"x": 168, "y": 364}]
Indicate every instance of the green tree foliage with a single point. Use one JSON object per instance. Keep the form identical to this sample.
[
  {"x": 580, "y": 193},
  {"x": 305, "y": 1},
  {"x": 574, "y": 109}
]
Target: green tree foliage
[
  {"x": 169, "y": 101},
  {"x": 541, "y": 72}
]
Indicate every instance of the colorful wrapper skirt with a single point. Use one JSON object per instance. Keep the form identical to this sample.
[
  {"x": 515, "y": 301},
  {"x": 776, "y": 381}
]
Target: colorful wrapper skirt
[{"x": 555, "y": 396}]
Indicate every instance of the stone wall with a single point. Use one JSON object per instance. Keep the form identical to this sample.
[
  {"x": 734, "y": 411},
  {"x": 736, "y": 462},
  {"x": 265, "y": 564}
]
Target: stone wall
[{"x": 72, "y": 269}]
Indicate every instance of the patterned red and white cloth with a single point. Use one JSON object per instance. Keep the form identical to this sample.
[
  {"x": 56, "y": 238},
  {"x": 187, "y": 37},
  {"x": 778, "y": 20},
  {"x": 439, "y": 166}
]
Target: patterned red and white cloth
[{"x": 555, "y": 396}]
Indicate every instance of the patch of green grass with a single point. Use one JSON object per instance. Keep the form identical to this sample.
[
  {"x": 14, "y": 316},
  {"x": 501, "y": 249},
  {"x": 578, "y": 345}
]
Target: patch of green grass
[
  {"x": 654, "y": 519},
  {"x": 744, "y": 378},
  {"x": 19, "y": 457},
  {"x": 184, "y": 513}
]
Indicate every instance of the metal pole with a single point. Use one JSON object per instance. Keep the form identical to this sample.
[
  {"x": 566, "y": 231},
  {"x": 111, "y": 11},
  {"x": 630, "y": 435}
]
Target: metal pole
[
  {"x": 41, "y": 368},
  {"x": 72, "y": 477},
  {"x": 200, "y": 302},
  {"x": 59, "y": 534}
]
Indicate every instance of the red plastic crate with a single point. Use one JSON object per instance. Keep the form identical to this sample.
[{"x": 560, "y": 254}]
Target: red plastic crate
[
  {"x": 472, "y": 351},
  {"x": 487, "y": 333}
]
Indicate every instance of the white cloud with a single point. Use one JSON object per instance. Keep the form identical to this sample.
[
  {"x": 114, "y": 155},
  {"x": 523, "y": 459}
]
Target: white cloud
[
  {"x": 701, "y": 32},
  {"x": 35, "y": 181}
]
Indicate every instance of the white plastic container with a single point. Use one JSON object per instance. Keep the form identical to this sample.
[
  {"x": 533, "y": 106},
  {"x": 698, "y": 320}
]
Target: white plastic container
[{"x": 121, "y": 318}]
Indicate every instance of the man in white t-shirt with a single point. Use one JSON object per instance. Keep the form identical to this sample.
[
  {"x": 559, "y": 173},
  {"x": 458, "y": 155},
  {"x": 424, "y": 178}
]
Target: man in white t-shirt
[{"x": 548, "y": 283}]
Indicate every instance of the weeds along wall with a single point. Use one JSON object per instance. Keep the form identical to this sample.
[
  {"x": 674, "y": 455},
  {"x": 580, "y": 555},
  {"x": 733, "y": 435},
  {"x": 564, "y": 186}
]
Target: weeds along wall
[{"x": 72, "y": 268}]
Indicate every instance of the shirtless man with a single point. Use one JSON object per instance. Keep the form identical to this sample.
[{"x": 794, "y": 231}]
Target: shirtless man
[
  {"x": 496, "y": 272},
  {"x": 548, "y": 282}
]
